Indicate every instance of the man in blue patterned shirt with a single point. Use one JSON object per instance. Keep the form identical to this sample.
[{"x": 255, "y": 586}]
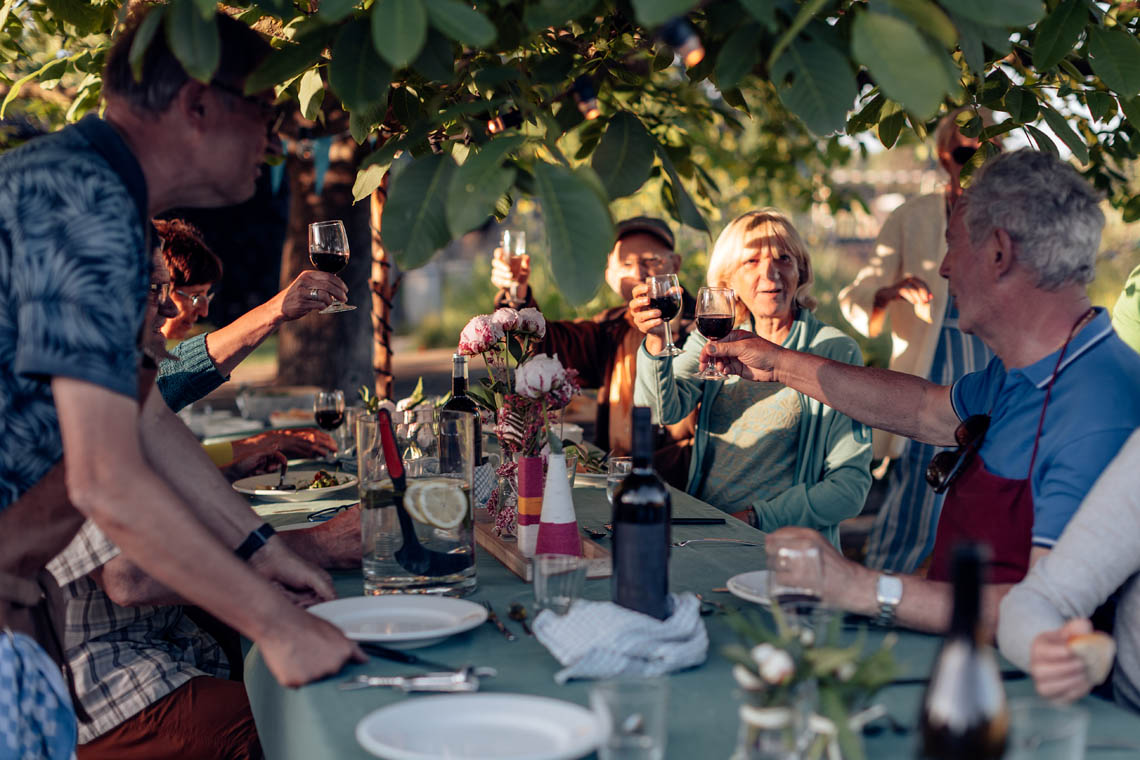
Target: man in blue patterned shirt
[{"x": 74, "y": 270}]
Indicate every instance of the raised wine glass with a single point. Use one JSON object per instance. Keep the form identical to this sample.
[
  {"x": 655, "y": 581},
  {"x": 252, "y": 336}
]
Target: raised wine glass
[
  {"x": 328, "y": 250},
  {"x": 665, "y": 296},
  {"x": 514, "y": 243},
  {"x": 328, "y": 411},
  {"x": 716, "y": 315}
]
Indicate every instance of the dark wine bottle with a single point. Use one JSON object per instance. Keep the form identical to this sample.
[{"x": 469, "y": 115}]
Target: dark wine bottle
[
  {"x": 642, "y": 510},
  {"x": 461, "y": 402},
  {"x": 964, "y": 714}
]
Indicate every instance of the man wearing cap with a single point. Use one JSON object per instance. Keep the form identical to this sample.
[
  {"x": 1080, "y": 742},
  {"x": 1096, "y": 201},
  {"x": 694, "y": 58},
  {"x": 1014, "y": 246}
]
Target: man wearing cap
[{"x": 604, "y": 349}]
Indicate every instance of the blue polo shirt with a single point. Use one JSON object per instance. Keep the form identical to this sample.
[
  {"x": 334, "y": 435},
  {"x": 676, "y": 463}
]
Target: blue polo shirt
[
  {"x": 1093, "y": 409},
  {"x": 74, "y": 271}
]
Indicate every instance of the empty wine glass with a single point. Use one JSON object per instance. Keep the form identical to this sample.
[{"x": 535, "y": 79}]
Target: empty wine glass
[
  {"x": 665, "y": 296},
  {"x": 716, "y": 315},
  {"x": 616, "y": 470},
  {"x": 328, "y": 411},
  {"x": 328, "y": 250},
  {"x": 514, "y": 243},
  {"x": 795, "y": 580}
]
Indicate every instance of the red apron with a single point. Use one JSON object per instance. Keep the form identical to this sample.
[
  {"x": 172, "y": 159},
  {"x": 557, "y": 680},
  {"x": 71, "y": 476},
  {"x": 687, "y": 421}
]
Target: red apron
[{"x": 984, "y": 508}]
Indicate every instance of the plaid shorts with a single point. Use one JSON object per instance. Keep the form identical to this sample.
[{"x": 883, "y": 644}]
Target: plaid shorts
[{"x": 36, "y": 719}]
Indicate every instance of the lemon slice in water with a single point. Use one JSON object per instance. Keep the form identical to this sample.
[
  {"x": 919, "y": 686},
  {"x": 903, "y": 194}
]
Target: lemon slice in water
[{"x": 439, "y": 502}]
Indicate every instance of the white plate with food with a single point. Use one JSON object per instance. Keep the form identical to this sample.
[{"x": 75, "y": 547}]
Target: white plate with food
[
  {"x": 408, "y": 621},
  {"x": 306, "y": 484},
  {"x": 752, "y": 587},
  {"x": 481, "y": 727}
]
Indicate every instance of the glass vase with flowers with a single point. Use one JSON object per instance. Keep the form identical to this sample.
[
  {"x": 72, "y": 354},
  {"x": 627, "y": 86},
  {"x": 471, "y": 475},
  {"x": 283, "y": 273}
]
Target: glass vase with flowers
[{"x": 525, "y": 394}]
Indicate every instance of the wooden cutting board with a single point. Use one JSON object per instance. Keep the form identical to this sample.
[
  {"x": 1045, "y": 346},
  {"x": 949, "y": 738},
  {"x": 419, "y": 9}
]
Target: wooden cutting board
[{"x": 599, "y": 564}]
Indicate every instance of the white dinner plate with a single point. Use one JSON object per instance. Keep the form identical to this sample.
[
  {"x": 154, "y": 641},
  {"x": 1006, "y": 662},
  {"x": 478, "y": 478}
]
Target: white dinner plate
[
  {"x": 481, "y": 727},
  {"x": 260, "y": 485},
  {"x": 752, "y": 587},
  {"x": 408, "y": 621}
]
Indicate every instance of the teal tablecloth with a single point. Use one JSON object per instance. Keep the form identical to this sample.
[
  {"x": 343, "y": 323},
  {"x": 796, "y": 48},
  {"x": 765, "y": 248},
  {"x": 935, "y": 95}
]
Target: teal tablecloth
[{"x": 318, "y": 721}]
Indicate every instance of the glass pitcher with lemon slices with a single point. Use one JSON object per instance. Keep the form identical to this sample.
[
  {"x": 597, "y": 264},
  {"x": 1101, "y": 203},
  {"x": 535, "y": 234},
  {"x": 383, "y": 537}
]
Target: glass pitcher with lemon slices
[{"x": 421, "y": 540}]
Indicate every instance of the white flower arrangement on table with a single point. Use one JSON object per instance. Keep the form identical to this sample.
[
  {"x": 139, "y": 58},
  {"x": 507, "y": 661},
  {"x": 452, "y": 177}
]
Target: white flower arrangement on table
[
  {"x": 769, "y": 665},
  {"x": 524, "y": 392}
]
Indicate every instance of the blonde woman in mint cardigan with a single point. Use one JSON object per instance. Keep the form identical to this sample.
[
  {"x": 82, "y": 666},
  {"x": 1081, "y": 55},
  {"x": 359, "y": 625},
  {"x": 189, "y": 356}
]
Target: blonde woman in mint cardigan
[{"x": 762, "y": 451}]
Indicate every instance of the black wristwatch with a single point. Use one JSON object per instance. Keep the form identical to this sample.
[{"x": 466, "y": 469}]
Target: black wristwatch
[{"x": 254, "y": 541}]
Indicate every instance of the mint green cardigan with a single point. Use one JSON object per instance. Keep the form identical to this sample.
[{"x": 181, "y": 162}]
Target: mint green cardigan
[{"x": 834, "y": 451}]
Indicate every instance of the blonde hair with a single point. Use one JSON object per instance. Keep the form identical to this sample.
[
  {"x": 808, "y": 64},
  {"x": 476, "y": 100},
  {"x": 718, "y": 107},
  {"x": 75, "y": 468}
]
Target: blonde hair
[{"x": 731, "y": 249}]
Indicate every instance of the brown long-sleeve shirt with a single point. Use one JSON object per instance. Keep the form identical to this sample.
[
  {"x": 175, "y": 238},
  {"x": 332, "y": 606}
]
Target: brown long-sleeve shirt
[{"x": 603, "y": 349}]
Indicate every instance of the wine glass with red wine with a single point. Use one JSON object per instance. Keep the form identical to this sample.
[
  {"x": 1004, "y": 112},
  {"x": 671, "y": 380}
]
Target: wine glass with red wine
[
  {"x": 665, "y": 296},
  {"x": 328, "y": 409},
  {"x": 328, "y": 250},
  {"x": 795, "y": 580},
  {"x": 716, "y": 316}
]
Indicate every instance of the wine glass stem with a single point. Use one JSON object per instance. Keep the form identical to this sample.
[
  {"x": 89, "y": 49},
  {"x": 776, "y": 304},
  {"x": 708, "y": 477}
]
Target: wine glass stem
[{"x": 668, "y": 337}]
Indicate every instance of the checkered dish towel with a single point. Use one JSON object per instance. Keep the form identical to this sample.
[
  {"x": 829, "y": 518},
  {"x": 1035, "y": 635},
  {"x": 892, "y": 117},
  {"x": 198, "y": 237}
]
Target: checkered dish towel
[{"x": 603, "y": 639}]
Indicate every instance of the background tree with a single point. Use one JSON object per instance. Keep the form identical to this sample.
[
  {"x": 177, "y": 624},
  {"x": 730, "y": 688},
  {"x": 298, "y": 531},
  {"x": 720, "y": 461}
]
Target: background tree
[{"x": 579, "y": 102}]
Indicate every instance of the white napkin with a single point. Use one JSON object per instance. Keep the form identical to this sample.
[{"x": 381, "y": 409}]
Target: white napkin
[{"x": 603, "y": 639}]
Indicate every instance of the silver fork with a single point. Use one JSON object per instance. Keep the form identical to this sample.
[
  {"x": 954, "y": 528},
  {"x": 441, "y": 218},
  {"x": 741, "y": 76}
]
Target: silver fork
[{"x": 738, "y": 541}]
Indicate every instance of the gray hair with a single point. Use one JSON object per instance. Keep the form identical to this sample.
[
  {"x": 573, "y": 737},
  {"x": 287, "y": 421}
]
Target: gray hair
[
  {"x": 162, "y": 76},
  {"x": 1049, "y": 211}
]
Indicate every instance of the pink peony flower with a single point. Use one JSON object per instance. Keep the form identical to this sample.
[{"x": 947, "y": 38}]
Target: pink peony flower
[
  {"x": 506, "y": 318},
  {"x": 531, "y": 322},
  {"x": 539, "y": 375},
  {"x": 480, "y": 334}
]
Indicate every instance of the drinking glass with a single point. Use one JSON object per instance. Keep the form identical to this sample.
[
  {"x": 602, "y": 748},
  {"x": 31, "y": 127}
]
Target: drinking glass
[
  {"x": 665, "y": 296},
  {"x": 328, "y": 250},
  {"x": 514, "y": 243},
  {"x": 1039, "y": 730},
  {"x": 346, "y": 433},
  {"x": 558, "y": 580},
  {"x": 795, "y": 580},
  {"x": 632, "y": 711},
  {"x": 328, "y": 409},
  {"x": 437, "y": 514},
  {"x": 716, "y": 314},
  {"x": 616, "y": 470}
]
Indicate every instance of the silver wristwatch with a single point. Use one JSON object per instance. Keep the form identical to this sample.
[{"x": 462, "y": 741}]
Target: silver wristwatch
[{"x": 888, "y": 593}]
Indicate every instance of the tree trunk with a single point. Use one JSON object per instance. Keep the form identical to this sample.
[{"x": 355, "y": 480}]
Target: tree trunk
[
  {"x": 384, "y": 285},
  {"x": 327, "y": 350}
]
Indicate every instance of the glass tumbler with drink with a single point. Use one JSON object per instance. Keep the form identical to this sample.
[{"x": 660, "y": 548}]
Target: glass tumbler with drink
[
  {"x": 716, "y": 315},
  {"x": 795, "y": 581},
  {"x": 430, "y": 548},
  {"x": 328, "y": 250},
  {"x": 616, "y": 470},
  {"x": 665, "y": 296}
]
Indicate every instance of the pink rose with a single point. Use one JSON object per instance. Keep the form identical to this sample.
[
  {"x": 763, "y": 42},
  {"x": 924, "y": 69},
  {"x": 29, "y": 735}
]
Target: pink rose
[
  {"x": 480, "y": 334},
  {"x": 532, "y": 322},
  {"x": 506, "y": 318}
]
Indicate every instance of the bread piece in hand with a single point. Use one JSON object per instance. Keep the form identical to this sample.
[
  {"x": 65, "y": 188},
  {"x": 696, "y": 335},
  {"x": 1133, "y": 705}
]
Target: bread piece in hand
[{"x": 1097, "y": 651}]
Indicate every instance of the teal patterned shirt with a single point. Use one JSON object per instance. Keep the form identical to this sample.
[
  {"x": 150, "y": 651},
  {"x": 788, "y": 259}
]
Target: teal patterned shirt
[{"x": 74, "y": 271}]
